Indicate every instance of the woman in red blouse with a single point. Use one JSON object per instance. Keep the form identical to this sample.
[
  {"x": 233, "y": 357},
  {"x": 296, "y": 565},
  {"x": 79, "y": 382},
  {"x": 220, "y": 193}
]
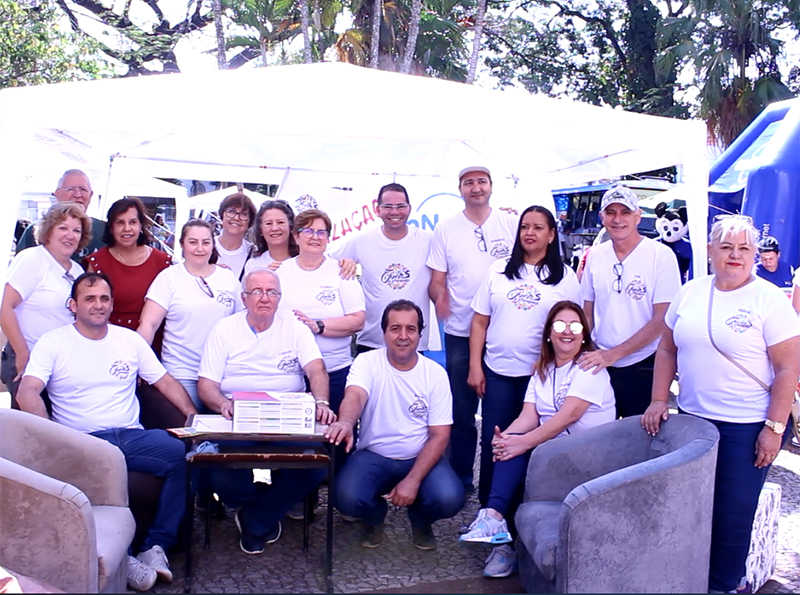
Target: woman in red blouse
[{"x": 127, "y": 260}]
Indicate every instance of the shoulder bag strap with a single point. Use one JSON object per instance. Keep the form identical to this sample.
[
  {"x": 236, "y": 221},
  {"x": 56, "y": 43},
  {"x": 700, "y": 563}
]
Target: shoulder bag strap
[{"x": 749, "y": 374}]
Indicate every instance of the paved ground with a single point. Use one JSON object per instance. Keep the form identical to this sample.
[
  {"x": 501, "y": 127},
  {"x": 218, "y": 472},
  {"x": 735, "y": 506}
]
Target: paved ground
[{"x": 398, "y": 567}]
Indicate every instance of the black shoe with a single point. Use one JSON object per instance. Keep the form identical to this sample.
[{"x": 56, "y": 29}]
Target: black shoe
[
  {"x": 423, "y": 538},
  {"x": 250, "y": 543},
  {"x": 372, "y": 536}
]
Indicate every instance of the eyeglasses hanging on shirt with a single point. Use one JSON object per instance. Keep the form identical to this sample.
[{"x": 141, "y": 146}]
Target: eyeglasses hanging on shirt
[
  {"x": 481, "y": 238},
  {"x": 617, "y": 284},
  {"x": 205, "y": 286}
]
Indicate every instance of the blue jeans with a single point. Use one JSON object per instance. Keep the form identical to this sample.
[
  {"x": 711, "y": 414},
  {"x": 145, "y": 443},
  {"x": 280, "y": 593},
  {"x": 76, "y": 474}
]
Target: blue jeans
[
  {"x": 736, "y": 490},
  {"x": 262, "y": 505},
  {"x": 463, "y": 435},
  {"x": 501, "y": 405},
  {"x": 157, "y": 453},
  {"x": 508, "y": 485},
  {"x": 368, "y": 476}
]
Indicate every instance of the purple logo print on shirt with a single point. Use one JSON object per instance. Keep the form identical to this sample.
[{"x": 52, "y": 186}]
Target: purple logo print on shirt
[
  {"x": 636, "y": 289},
  {"x": 396, "y": 276},
  {"x": 500, "y": 249},
  {"x": 120, "y": 369},
  {"x": 739, "y": 323},
  {"x": 418, "y": 408},
  {"x": 524, "y": 297},
  {"x": 326, "y": 297},
  {"x": 289, "y": 364}
]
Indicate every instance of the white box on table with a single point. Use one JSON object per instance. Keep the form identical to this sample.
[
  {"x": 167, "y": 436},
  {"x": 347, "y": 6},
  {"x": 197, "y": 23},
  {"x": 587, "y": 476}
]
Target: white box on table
[{"x": 273, "y": 413}]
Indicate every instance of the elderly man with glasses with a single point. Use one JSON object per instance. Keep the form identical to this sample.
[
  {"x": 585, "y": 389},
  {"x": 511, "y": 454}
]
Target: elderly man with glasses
[
  {"x": 74, "y": 186},
  {"x": 627, "y": 287},
  {"x": 263, "y": 350},
  {"x": 463, "y": 248}
]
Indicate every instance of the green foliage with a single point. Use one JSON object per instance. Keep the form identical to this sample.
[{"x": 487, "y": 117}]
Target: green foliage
[{"x": 34, "y": 50}]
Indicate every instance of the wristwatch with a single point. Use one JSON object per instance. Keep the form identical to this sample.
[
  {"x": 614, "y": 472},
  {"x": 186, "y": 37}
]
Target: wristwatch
[
  {"x": 776, "y": 426},
  {"x": 320, "y": 326}
]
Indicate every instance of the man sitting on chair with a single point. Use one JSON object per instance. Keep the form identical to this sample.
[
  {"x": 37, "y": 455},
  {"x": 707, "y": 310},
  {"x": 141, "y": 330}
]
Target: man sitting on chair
[
  {"x": 405, "y": 406},
  {"x": 261, "y": 350},
  {"x": 90, "y": 369}
]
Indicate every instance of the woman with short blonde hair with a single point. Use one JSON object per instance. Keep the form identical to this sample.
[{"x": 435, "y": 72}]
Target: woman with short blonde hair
[
  {"x": 735, "y": 340},
  {"x": 38, "y": 285}
]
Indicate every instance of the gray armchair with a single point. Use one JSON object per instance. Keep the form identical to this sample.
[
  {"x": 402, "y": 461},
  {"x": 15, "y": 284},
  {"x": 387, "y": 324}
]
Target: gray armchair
[
  {"x": 613, "y": 510},
  {"x": 64, "y": 509}
]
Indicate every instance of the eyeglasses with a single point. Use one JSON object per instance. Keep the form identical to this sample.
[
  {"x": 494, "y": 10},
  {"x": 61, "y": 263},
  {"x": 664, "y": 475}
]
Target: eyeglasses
[
  {"x": 258, "y": 293},
  {"x": 559, "y": 326},
  {"x": 321, "y": 234},
  {"x": 234, "y": 214},
  {"x": 481, "y": 239},
  {"x": 617, "y": 284},
  {"x": 400, "y": 207},
  {"x": 204, "y": 286},
  {"x": 69, "y": 277},
  {"x": 81, "y": 189}
]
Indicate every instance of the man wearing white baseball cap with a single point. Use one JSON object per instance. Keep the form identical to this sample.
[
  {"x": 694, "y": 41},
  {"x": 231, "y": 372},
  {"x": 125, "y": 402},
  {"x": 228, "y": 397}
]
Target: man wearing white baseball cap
[
  {"x": 463, "y": 248},
  {"x": 627, "y": 287}
]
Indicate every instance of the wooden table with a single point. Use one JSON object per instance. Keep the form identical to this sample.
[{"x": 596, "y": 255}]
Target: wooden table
[{"x": 273, "y": 451}]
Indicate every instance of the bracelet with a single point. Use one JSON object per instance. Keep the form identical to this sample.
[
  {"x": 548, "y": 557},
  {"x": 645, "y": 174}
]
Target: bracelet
[{"x": 321, "y": 402}]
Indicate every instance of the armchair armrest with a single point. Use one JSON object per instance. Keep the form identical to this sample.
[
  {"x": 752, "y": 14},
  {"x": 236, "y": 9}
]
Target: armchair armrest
[
  {"x": 559, "y": 465},
  {"x": 48, "y": 529},
  {"x": 94, "y": 466}
]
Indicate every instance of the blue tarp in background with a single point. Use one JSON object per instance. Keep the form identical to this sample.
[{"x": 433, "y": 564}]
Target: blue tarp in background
[{"x": 759, "y": 176}]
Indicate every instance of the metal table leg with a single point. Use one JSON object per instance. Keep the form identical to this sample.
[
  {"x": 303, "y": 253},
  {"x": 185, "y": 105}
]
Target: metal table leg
[
  {"x": 189, "y": 519},
  {"x": 329, "y": 521}
]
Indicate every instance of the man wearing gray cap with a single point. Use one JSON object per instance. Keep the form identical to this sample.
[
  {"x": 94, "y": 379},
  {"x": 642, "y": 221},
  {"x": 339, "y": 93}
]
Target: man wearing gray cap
[
  {"x": 463, "y": 248},
  {"x": 627, "y": 287}
]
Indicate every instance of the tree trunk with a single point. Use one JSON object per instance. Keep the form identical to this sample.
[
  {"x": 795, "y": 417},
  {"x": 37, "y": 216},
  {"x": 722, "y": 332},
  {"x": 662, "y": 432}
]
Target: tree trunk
[
  {"x": 413, "y": 31},
  {"x": 375, "y": 38},
  {"x": 217, "y": 8},
  {"x": 263, "y": 45},
  {"x": 476, "y": 42},
  {"x": 304, "y": 23}
]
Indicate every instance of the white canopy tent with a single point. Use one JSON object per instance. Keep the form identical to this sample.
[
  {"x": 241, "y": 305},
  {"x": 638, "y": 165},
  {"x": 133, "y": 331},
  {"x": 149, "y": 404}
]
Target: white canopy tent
[{"x": 328, "y": 131}]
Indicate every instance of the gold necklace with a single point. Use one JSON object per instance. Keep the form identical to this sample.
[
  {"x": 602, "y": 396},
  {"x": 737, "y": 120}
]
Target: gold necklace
[{"x": 314, "y": 268}]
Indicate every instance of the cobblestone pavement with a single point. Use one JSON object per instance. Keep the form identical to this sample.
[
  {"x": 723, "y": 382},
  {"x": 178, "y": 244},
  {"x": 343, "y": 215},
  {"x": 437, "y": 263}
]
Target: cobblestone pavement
[{"x": 284, "y": 568}]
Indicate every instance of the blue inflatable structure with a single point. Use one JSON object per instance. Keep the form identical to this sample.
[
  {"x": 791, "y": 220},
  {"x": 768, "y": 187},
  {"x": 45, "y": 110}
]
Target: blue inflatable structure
[{"x": 759, "y": 176}]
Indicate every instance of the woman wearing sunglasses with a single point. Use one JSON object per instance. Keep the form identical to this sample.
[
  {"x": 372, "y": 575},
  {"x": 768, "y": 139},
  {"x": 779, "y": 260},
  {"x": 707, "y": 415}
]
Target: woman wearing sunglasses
[
  {"x": 561, "y": 399},
  {"x": 38, "y": 284},
  {"x": 510, "y": 308},
  {"x": 332, "y": 307},
  {"x": 191, "y": 297}
]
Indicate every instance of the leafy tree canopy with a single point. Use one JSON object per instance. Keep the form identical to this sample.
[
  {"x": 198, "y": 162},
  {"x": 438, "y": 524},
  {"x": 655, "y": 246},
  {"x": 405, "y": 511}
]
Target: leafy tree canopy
[{"x": 35, "y": 50}]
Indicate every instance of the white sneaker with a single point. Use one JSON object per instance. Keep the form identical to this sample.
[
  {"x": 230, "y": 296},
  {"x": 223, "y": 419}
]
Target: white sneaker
[
  {"x": 486, "y": 530},
  {"x": 140, "y": 576},
  {"x": 156, "y": 559},
  {"x": 502, "y": 561}
]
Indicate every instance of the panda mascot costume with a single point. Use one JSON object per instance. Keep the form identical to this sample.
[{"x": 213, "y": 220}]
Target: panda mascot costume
[{"x": 672, "y": 227}]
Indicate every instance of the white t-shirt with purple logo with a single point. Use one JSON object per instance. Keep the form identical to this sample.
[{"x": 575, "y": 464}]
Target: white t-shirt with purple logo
[
  {"x": 401, "y": 405},
  {"x": 241, "y": 359},
  {"x": 321, "y": 294},
  {"x": 392, "y": 270},
  {"x": 192, "y": 309},
  {"x": 624, "y": 304},
  {"x": 517, "y": 309},
  {"x": 570, "y": 381},
  {"x": 744, "y": 322},
  {"x": 92, "y": 383},
  {"x": 464, "y": 251}
]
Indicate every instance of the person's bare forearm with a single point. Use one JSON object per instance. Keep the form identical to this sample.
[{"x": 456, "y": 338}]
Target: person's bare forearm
[
  {"x": 211, "y": 395},
  {"x": 781, "y": 395},
  {"x": 318, "y": 380},
  {"x": 29, "y": 398},
  {"x": 176, "y": 394},
  {"x": 477, "y": 339},
  {"x": 344, "y": 326},
  {"x": 430, "y": 454},
  {"x": 437, "y": 286}
]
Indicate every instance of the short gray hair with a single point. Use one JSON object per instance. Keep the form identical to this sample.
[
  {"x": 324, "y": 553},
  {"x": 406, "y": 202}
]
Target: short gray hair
[
  {"x": 73, "y": 172},
  {"x": 726, "y": 226},
  {"x": 259, "y": 270}
]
